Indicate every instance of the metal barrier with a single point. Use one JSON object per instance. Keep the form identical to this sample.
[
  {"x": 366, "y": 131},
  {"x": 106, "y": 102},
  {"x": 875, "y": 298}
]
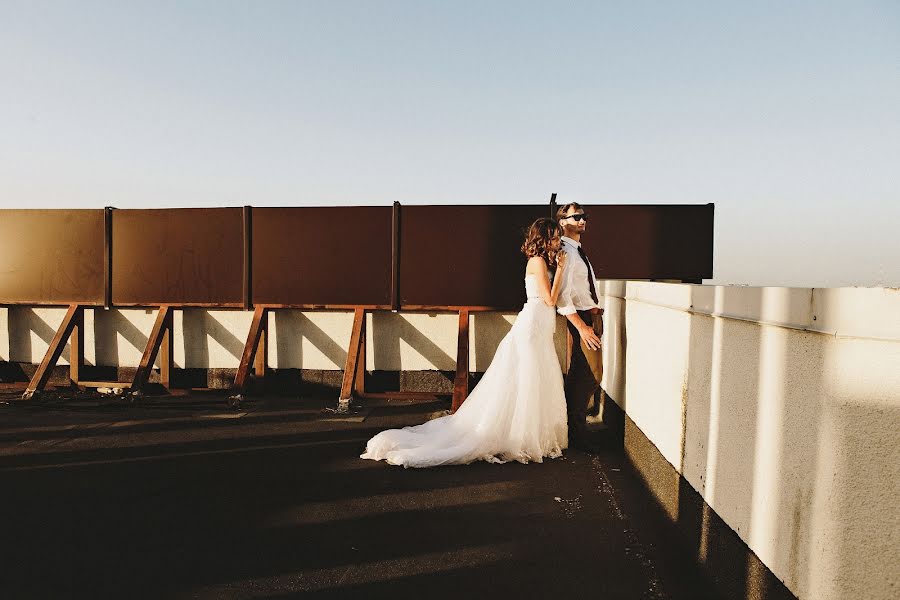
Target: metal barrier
[{"x": 456, "y": 258}]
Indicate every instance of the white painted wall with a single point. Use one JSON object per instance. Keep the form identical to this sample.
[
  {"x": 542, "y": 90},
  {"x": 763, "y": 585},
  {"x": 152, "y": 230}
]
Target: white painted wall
[
  {"x": 308, "y": 340},
  {"x": 781, "y": 407}
]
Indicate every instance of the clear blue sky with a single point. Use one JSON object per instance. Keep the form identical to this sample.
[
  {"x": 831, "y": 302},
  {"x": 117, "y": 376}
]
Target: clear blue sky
[{"x": 785, "y": 114}]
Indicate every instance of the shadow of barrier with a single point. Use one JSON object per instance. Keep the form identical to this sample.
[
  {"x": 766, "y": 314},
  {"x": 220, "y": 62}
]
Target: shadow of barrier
[{"x": 454, "y": 258}]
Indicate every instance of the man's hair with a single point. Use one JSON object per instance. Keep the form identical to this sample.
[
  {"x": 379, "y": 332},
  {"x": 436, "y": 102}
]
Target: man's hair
[{"x": 562, "y": 210}]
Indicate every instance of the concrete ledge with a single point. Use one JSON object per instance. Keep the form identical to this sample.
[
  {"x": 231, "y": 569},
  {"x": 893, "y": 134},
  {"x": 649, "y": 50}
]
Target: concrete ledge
[
  {"x": 726, "y": 560},
  {"x": 870, "y": 313},
  {"x": 858, "y": 312}
]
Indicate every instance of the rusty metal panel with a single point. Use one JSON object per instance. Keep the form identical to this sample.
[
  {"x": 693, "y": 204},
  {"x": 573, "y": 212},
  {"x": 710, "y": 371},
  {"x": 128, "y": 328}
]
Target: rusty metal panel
[
  {"x": 650, "y": 241},
  {"x": 464, "y": 255},
  {"x": 322, "y": 255},
  {"x": 188, "y": 256},
  {"x": 51, "y": 256}
]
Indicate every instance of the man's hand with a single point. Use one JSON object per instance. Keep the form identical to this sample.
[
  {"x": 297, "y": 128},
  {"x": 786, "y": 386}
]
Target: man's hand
[{"x": 591, "y": 340}]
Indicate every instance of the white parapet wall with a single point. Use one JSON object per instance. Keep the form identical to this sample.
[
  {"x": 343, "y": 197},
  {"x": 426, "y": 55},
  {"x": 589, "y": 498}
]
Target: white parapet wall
[
  {"x": 781, "y": 408},
  {"x": 214, "y": 339}
]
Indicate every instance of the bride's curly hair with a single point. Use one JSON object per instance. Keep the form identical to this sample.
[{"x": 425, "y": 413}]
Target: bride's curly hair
[{"x": 538, "y": 240}]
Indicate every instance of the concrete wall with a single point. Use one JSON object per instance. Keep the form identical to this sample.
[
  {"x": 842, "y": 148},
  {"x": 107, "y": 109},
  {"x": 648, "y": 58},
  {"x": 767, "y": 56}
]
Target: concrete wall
[
  {"x": 781, "y": 408},
  {"x": 298, "y": 340}
]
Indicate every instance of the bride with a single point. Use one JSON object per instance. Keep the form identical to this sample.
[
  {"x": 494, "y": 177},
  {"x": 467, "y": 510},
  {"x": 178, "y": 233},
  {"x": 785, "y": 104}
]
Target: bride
[{"x": 518, "y": 409}]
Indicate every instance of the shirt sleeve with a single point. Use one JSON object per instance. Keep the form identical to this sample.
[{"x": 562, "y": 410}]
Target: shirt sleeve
[{"x": 565, "y": 304}]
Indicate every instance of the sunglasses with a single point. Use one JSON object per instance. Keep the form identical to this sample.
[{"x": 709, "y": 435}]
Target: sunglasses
[{"x": 577, "y": 218}]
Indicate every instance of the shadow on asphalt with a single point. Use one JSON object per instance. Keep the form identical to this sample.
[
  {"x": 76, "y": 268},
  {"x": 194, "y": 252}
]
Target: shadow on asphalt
[{"x": 274, "y": 502}]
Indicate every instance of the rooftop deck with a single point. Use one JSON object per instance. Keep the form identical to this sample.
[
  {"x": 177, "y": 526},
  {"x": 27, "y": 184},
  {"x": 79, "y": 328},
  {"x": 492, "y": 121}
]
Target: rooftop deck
[{"x": 180, "y": 498}]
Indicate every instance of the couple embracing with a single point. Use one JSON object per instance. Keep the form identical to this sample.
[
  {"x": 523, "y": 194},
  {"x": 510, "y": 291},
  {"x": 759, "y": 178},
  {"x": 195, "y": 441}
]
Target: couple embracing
[{"x": 523, "y": 409}]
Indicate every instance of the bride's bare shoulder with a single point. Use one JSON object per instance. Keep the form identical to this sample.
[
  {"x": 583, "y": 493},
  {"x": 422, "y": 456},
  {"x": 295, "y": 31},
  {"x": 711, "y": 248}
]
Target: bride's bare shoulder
[{"x": 536, "y": 265}]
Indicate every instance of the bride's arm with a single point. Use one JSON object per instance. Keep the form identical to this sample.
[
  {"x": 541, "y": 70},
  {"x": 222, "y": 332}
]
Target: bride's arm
[{"x": 558, "y": 278}]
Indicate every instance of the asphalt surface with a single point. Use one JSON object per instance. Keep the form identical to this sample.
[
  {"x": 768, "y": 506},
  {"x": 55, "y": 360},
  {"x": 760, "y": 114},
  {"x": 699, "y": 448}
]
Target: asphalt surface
[{"x": 184, "y": 498}]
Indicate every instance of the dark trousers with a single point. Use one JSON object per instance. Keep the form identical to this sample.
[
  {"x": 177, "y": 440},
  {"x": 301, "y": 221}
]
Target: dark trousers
[{"x": 582, "y": 378}]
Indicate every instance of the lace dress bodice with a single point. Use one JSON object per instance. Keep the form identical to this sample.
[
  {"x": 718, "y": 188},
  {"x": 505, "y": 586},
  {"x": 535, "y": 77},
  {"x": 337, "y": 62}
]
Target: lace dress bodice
[{"x": 531, "y": 287}]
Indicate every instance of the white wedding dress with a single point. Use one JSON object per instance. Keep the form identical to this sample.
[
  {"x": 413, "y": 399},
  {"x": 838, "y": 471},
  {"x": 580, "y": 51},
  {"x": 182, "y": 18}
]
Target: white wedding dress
[{"x": 516, "y": 412}]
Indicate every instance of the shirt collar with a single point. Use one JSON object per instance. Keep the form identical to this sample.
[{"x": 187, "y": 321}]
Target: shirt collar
[{"x": 569, "y": 240}]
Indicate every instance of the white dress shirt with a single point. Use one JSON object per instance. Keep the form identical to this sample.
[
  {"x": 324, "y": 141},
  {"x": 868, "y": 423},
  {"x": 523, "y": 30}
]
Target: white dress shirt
[{"x": 575, "y": 293}]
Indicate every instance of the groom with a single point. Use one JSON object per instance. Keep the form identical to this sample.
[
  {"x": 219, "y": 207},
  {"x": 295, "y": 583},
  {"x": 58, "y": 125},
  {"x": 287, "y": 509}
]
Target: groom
[{"x": 578, "y": 302}]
